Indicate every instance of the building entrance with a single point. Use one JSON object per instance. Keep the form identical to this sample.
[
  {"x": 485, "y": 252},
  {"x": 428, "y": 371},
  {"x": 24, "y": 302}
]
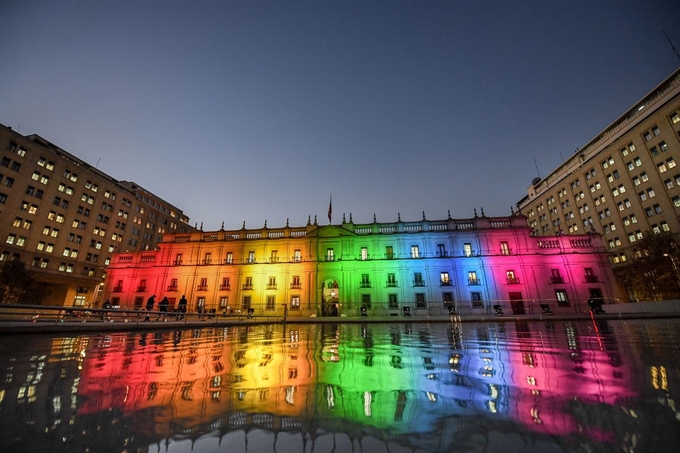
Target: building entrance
[{"x": 330, "y": 295}]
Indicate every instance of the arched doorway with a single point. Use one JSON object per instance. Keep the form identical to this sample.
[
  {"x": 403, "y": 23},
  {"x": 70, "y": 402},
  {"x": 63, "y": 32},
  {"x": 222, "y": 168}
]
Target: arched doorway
[{"x": 330, "y": 296}]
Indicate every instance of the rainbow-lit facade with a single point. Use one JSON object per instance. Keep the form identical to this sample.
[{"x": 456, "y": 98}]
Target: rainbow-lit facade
[{"x": 429, "y": 266}]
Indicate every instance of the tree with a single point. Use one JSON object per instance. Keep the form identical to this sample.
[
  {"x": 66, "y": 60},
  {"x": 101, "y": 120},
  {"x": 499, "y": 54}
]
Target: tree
[
  {"x": 18, "y": 284},
  {"x": 653, "y": 272}
]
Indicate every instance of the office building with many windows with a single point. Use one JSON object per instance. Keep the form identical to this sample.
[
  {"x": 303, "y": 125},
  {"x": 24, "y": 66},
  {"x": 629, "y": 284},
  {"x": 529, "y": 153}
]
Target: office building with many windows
[
  {"x": 426, "y": 267},
  {"x": 622, "y": 183},
  {"x": 64, "y": 218}
]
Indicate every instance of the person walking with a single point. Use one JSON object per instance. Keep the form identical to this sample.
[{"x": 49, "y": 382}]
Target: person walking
[
  {"x": 182, "y": 308},
  {"x": 149, "y": 306}
]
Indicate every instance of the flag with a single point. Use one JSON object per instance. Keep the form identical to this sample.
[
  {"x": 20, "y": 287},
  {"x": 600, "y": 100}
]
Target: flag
[{"x": 330, "y": 208}]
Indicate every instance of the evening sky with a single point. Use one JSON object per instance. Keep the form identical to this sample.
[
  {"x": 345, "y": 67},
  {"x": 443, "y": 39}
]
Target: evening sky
[{"x": 258, "y": 110}]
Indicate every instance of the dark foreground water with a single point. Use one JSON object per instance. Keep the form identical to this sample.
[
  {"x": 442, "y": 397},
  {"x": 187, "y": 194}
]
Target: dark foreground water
[{"x": 606, "y": 386}]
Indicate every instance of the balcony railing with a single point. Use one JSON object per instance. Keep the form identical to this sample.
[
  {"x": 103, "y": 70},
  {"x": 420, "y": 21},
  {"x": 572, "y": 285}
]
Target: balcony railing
[
  {"x": 274, "y": 259},
  {"x": 295, "y": 286},
  {"x": 592, "y": 278},
  {"x": 443, "y": 283},
  {"x": 513, "y": 281},
  {"x": 474, "y": 282},
  {"x": 418, "y": 283},
  {"x": 247, "y": 287},
  {"x": 392, "y": 284},
  {"x": 271, "y": 286},
  {"x": 506, "y": 252},
  {"x": 209, "y": 261},
  {"x": 141, "y": 289},
  {"x": 117, "y": 289},
  {"x": 202, "y": 288},
  {"x": 177, "y": 263},
  {"x": 225, "y": 287},
  {"x": 443, "y": 254},
  {"x": 557, "y": 279},
  {"x": 365, "y": 285},
  {"x": 172, "y": 289}
]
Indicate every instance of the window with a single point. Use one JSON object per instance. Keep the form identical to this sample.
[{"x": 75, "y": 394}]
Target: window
[
  {"x": 555, "y": 276},
  {"x": 251, "y": 257},
  {"x": 467, "y": 249},
  {"x": 389, "y": 252},
  {"x": 295, "y": 284},
  {"x": 444, "y": 279},
  {"x": 271, "y": 283},
  {"x": 230, "y": 257},
  {"x": 420, "y": 300},
  {"x": 391, "y": 281},
  {"x": 295, "y": 302},
  {"x": 418, "y": 279},
  {"x": 330, "y": 254},
  {"x": 476, "y": 298},
  {"x": 297, "y": 256},
  {"x": 561, "y": 296},
  {"x": 392, "y": 301},
  {"x": 472, "y": 278},
  {"x": 274, "y": 256},
  {"x": 366, "y": 300},
  {"x": 505, "y": 250},
  {"x": 364, "y": 253},
  {"x": 415, "y": 251},
  {"x": 511, "y": 278},
  {"x": 365, "y": 282},
  {"x": 271, "y": 303}
]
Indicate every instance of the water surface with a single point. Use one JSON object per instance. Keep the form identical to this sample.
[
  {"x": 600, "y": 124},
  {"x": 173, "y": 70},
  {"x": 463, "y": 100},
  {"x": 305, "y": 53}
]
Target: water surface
[{"x": 605, "y": 386}]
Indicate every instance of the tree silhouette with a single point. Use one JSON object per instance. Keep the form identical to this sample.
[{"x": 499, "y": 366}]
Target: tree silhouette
[
  {"x": 18, "y": 284},
  {"x": 653, "y": 272}
]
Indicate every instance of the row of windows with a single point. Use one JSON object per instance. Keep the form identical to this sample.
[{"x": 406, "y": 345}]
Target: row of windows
[{"x": 270, "y": 304}]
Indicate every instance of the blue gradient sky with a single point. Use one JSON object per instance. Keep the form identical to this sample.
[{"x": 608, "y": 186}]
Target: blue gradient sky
[{"x": 251, "y": 110}]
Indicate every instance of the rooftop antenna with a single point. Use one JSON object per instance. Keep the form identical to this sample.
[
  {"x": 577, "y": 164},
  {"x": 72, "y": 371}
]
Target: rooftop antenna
[
  {"x": 672, "y": 46},
  {"x": 538, "y": 173},
  {"x": 97, "y": 166}
]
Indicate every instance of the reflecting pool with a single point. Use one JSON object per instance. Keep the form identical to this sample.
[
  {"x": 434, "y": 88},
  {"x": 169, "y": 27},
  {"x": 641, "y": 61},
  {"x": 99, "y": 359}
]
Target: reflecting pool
[{"x": 596, "y": 386}]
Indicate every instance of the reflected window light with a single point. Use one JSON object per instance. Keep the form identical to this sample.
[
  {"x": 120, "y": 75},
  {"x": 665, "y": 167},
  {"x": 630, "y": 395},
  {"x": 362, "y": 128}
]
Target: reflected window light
[
  {"x": 531, "y": 380},
  {"x": 432, "y": 397},
  {"x": 368, "y": 399},
  {"x": 492, "y": 406},
  {"x": 330, "y": 396},
  {"x": 290, "y": 395},
  {"x": 494, "y": 391}
]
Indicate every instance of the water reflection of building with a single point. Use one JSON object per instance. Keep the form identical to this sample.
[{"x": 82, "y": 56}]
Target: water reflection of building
[
  {"x": 428, "y": 266},
  {"x": 418, "y": 385}
]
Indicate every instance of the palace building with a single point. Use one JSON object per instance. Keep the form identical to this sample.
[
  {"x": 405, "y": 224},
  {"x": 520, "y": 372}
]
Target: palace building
[
  {"x": 621, "y": 184},
  {"x": 64, "y": 218},
  {"x": 430, "y": 267}
]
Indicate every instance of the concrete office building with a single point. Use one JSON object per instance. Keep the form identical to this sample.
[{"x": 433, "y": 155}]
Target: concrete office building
[
  {"x": 64, "y": 218},
  {"x": 622, "y": 183}
]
